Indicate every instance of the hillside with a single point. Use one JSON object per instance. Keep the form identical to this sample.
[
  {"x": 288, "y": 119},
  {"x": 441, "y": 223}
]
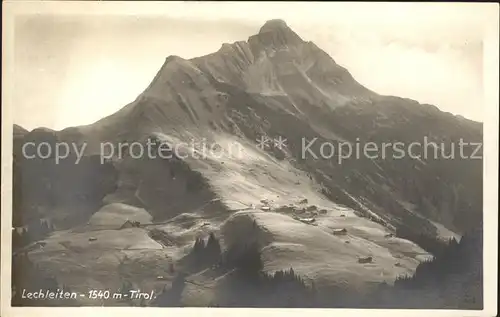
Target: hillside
[{"x": 214, "y": 109}]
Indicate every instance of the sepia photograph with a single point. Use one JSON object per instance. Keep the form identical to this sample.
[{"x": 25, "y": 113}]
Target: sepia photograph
[{"x": 306, "y": 156}]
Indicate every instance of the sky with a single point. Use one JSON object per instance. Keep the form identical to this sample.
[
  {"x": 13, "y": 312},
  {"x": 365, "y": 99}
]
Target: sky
[{"x": 74, "y": 65}]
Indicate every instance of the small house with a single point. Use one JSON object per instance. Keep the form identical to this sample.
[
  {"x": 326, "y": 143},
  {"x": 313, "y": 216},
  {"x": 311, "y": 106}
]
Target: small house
[
  {"x": 127, "y": 224},
  {"x": 307, "y": 220},
  {"x": 367, "y": 259},
  {"x": 340, "y": 232}
]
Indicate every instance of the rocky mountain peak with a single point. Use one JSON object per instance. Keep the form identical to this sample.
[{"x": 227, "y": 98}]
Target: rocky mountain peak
[
  {"x": 274, "y": 25},
  {"x": 172, "y": 58},
  {"x": 276, "y": 33}
]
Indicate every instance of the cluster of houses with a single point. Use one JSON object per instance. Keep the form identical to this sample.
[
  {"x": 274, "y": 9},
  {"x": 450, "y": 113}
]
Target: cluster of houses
[
  {"x": 130, "y": 224},
  {"x": 125, "y": 225}
]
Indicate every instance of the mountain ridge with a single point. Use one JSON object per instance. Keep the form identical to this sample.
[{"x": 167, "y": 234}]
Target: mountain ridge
[
  {"x": 272, "y": 85},
  {"x": 190, "y": 92}
]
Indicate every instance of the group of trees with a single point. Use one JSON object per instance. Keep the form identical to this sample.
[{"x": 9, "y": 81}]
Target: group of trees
[
  {"x": 43, "y": 185},
  {"x": 27, "y": 276},
  {"x": 206, "y": 253},
  {"x": 172, "y": 296},
  {"x": 454, "y": 276},
  {"x": 452, "y": 279},
  {"x": 249, "y": 285},
  {"x": 246, "y": 258},
  {"x": 433, "y": 245},
  {"x": 195, "y": 182},
  {"x": 36, "y": 230}
]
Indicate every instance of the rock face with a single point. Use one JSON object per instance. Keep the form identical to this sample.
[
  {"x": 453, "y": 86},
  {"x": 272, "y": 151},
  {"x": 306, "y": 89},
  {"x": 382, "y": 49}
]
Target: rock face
[
  {"x": 276, "y": 84},
  {"x": 272, "y": 86}
]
